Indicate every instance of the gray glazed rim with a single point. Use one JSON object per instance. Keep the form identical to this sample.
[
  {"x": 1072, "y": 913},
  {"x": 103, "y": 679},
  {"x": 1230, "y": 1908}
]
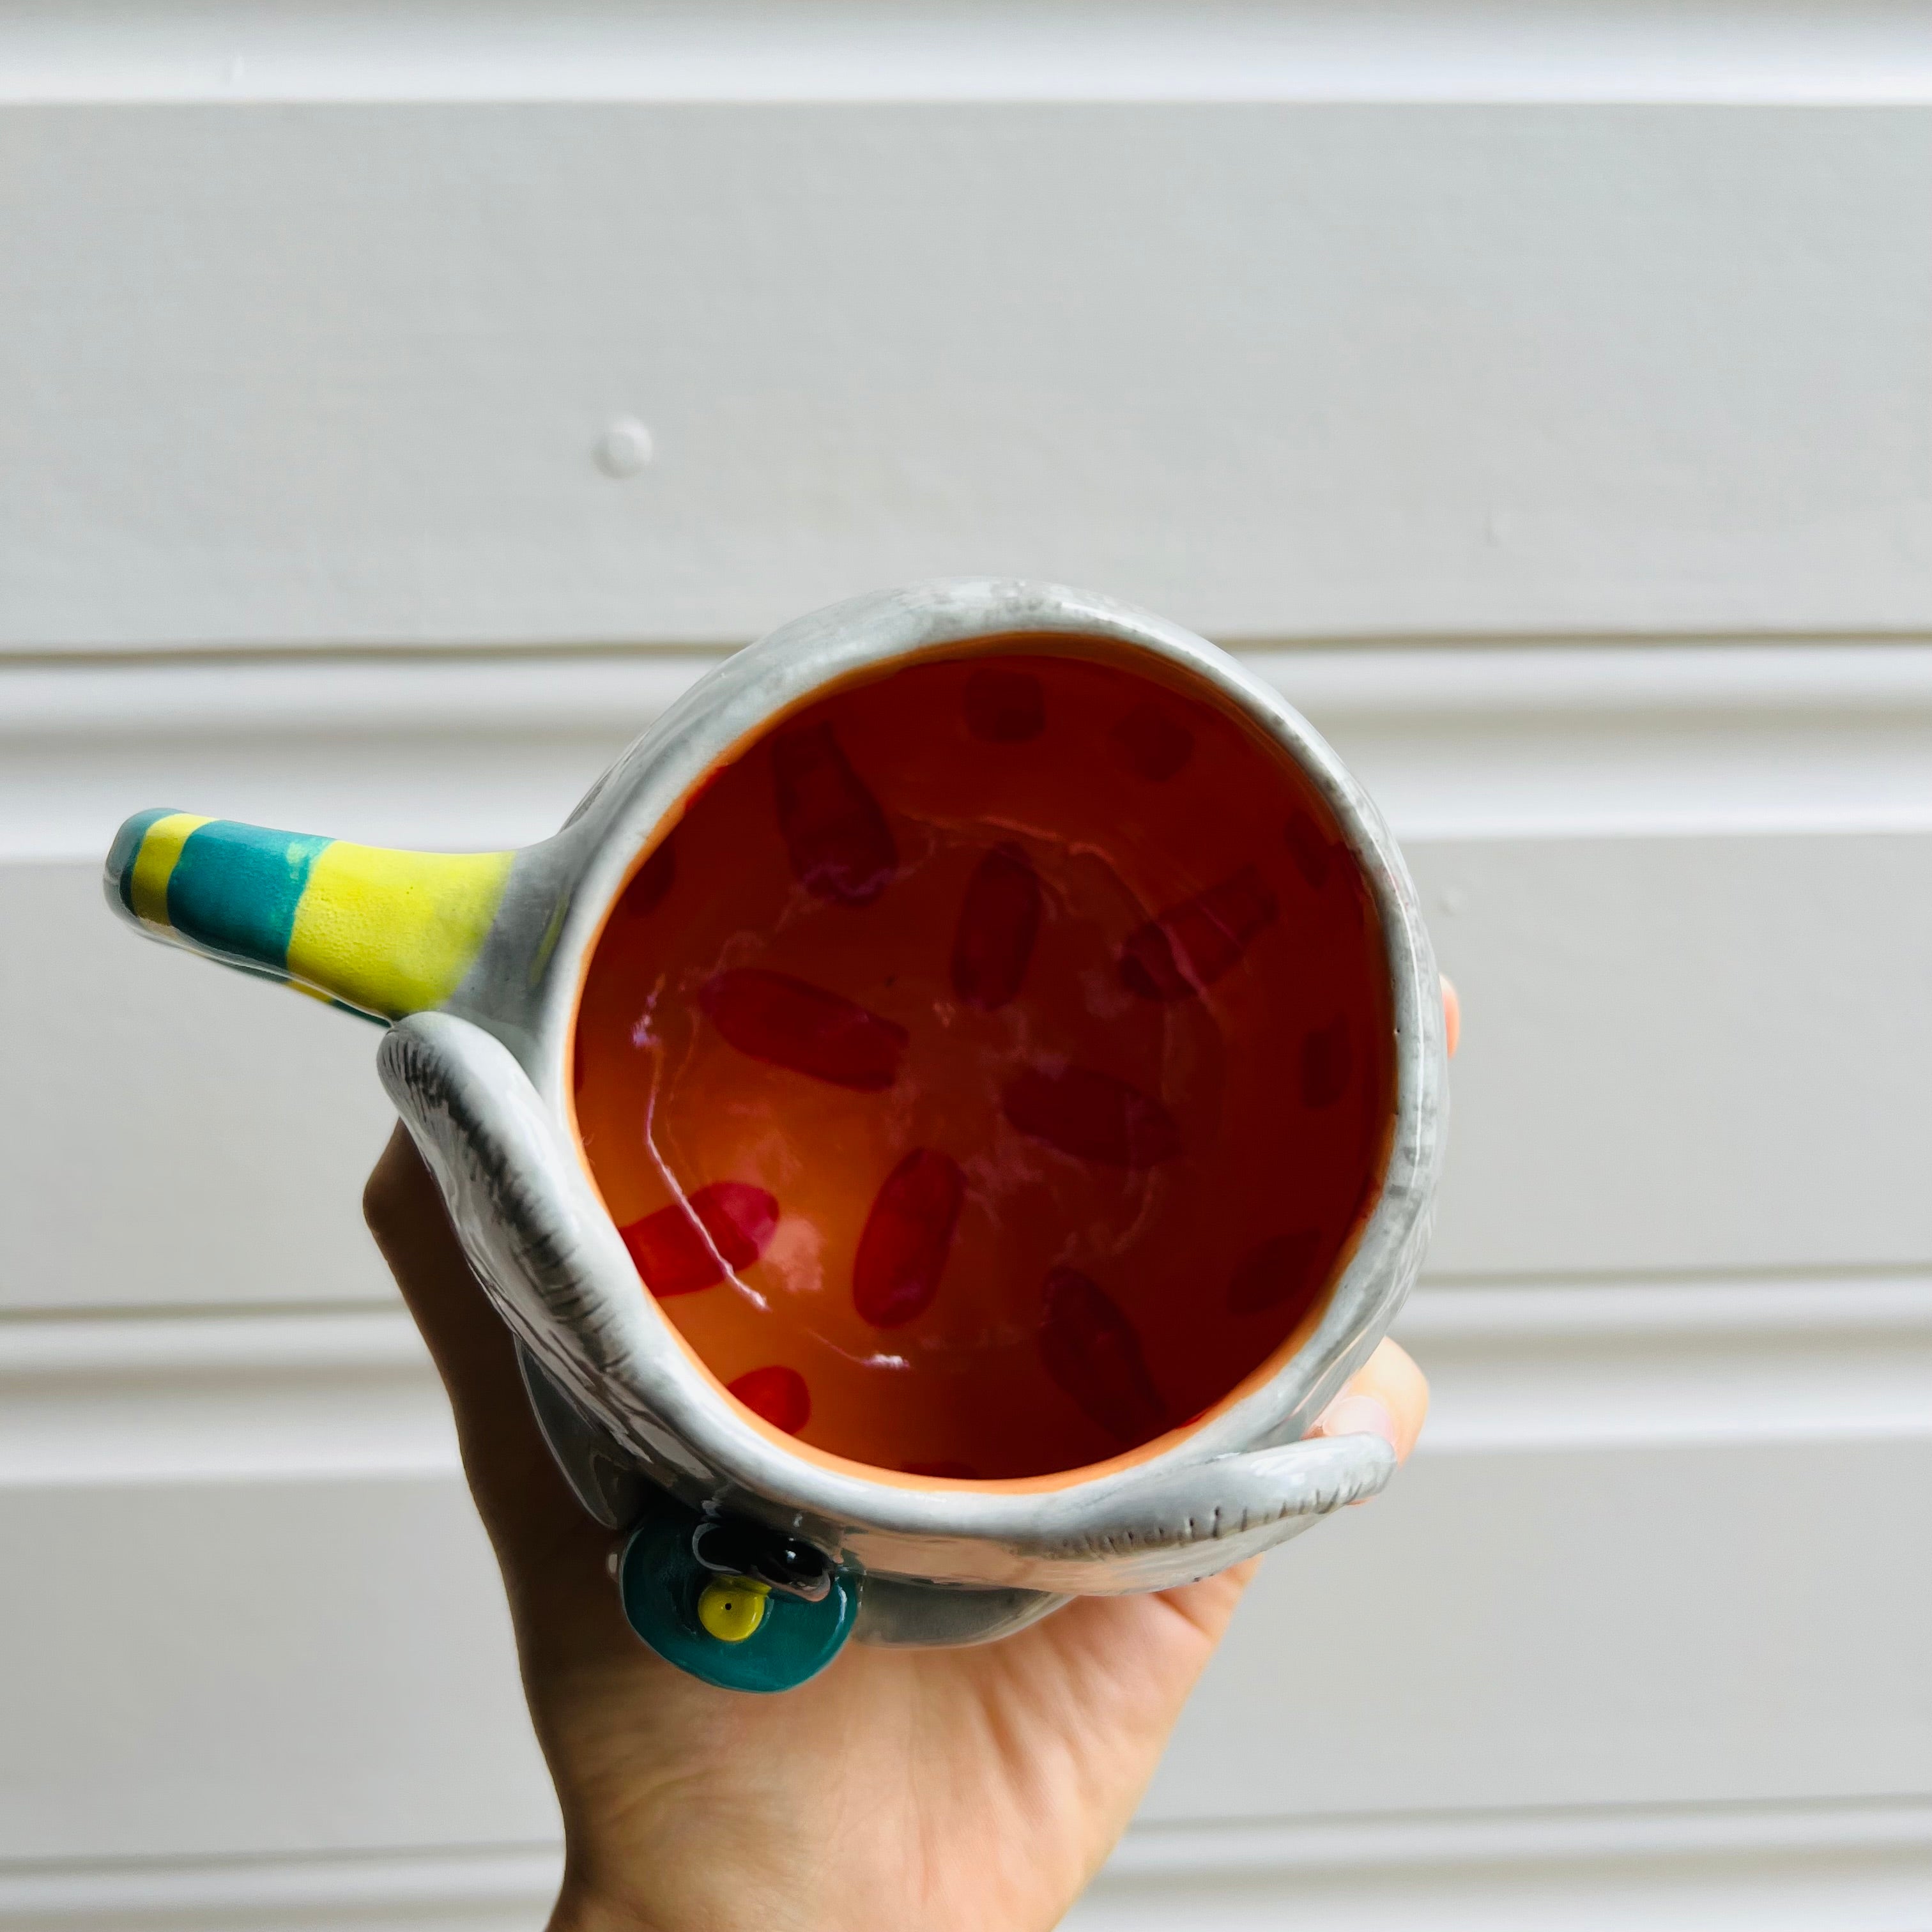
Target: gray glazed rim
[{"x": 725, "y": 1457}]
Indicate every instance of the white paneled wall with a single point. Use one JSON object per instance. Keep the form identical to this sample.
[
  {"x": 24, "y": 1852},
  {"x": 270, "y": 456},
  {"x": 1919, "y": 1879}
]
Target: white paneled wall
[
  {"x": 312, "y": 373},
  {"x": 1569, "y": 463}
]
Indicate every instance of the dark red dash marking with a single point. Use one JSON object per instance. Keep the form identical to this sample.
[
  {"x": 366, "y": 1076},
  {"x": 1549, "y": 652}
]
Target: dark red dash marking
[
  {"x": 690, "y": 1244},
  {"x": 840, "y": 845},
  {"x": 651, "y": 883},
  {"x": 1153, "y": 745},
  {"x": 777, "y": 1393},
  {"x": 999, "y": 919},
  {"x": 1091, "y": 1352},
  {"x": 1279, "y": 1269},
  {"x": 790, "y": 1023},
  {"x": 902, "y": 1251},
  {"x": 1191, "y": 945},
  {"x": 1004, "y": 707},
  {"x": 1093, "y": 1116},
  {"x": 1326, "y": 1064},
  {"x": 1314, "y": 851}
]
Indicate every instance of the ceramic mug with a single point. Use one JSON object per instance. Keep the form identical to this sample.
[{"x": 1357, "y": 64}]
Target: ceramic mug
[{"x": 945, "y": 1115}]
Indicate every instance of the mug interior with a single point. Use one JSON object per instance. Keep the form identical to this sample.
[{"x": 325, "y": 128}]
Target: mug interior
[{"x": 991, "y": 1070}]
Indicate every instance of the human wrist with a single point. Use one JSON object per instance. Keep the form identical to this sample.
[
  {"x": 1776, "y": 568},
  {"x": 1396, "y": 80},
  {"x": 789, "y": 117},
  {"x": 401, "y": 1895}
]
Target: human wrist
[
  {"x": 579, "y": 1908},
  {"x": 582, "y": 1907},
  {"x": 577, "y": 1911}
]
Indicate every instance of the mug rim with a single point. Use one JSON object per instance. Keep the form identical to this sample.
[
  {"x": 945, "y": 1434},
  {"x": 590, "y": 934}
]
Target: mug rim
[{"x": 640, "y": 799}]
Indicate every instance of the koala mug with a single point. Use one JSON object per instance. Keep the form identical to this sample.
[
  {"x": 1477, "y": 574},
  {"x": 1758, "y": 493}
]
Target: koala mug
[{"x": 941, "y": 1120}]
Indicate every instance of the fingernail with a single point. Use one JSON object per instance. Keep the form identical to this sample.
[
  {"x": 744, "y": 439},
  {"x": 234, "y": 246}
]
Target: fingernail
[
  {"x": 1357, "y": 1415},
  {"x": 1452, "y": 1015}
]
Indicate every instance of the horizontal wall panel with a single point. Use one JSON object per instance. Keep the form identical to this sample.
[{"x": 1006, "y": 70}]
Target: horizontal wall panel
[
  {"x": 1769, "y": 1868},
  {"x": 324, "y": 1665},
  {"x": 507, "y": 1889},
  {"x": 258, "y": 1666},
  {"x": 328, "y": 373},
  {"x": 264, "y": 1394},
  {"x": 1685, "y": 1053},
  {"x": 1649, "y": 1362},
  {"x": 1681, "y": 1054},
  {"x": 1596, "y": 740},
  {"x": 491, "y": 749},
  {"x": 1623, "y": 1869},
  {"x": 172, "y": 1133},
  {"x": 1756, "y": 1868},
  {"x": 289, "y": 1480},
  {"x": 847, "y": 50},
  {"x": 479, "y": 753},
  {"x": 1599, "y": 1627}
]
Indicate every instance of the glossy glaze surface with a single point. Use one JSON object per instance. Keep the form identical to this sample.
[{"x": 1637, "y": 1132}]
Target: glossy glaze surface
[{"x": 990, "y": 1068}]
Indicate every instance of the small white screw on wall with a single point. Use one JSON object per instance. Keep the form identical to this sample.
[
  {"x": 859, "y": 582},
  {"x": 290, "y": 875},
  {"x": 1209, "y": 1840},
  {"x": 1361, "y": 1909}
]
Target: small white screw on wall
[{"x": 624, "y": 447}]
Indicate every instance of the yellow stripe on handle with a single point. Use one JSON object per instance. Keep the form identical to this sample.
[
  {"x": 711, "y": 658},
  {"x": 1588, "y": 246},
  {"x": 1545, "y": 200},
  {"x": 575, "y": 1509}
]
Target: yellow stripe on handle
[
  {"x": 394, "y": 932},
  {"x": 155, "y": 865}
]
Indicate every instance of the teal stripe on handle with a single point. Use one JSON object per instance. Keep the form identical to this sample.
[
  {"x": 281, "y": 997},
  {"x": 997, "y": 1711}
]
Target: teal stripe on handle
[{"x": 235, "y": 887}]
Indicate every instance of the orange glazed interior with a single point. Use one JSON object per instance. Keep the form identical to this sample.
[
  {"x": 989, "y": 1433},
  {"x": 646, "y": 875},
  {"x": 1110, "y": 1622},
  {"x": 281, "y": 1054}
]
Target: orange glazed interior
[{"x": 990, "y": 1070}]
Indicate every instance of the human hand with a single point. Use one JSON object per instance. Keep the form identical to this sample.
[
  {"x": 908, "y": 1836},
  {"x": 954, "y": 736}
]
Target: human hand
[{"x": 940, "y": 1788}]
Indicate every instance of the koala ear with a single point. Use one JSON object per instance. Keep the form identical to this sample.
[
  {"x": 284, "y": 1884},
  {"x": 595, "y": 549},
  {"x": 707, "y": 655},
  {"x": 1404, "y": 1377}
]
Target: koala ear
[
  {"x": 516, "y": 1194},
  {"x": 479, "y": 1123},
  {"x": 1178, "y": 1528}
]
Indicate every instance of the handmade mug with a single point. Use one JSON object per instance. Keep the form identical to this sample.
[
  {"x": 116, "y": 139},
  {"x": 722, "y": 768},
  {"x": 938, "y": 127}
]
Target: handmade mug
[{"x": 943, "y": 1118}]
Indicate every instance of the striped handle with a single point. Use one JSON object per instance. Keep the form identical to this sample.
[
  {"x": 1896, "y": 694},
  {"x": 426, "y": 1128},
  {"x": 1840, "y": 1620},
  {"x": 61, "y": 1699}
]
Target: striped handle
[{"x": 383, "y": 933}]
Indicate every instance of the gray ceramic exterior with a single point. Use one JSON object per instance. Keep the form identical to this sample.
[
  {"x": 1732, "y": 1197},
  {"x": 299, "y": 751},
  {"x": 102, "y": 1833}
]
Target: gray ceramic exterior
[{"x": 483, "y": 1084}]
